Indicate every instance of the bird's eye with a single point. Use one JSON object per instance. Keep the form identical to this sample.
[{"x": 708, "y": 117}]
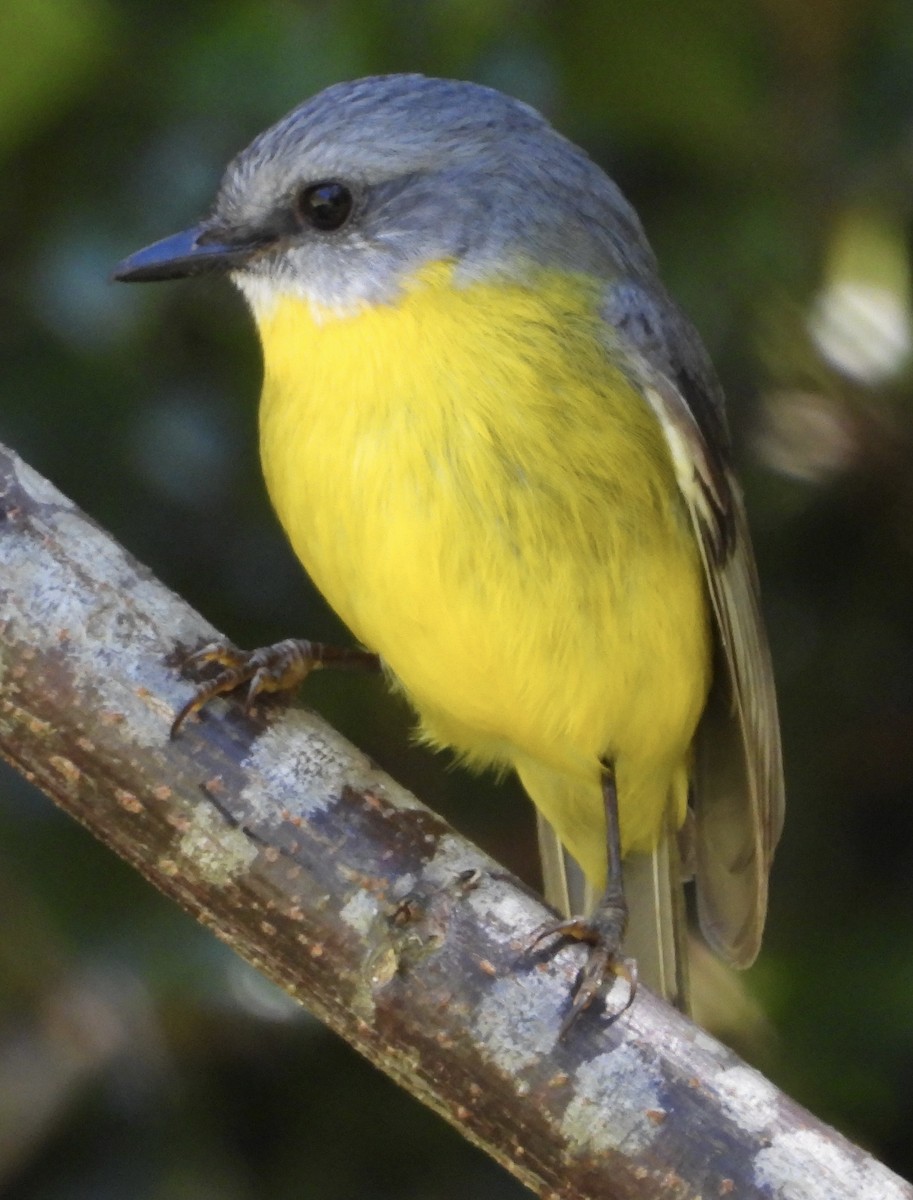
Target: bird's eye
[{"x": 324, "y": 206}]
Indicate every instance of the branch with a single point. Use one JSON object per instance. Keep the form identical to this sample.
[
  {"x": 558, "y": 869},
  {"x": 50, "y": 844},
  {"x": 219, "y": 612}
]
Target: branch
[{"x": 340, "y": 886}]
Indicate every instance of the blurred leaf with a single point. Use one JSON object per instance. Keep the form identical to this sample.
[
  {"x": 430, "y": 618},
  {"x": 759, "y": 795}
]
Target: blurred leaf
[{"x": 49, "y": 50}]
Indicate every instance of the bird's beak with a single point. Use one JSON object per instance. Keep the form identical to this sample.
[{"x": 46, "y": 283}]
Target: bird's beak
[{"x": 192, "y": 252}]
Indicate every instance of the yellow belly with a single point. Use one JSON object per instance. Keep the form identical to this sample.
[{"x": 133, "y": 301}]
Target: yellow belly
[{"x": 488, "y": 504}]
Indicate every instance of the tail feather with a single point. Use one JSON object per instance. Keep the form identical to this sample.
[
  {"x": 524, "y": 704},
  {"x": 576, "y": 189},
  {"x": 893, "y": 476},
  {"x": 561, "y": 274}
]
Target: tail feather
[
  {"x": 657, "y": 926},
  {"x": 563, "y": 883}
]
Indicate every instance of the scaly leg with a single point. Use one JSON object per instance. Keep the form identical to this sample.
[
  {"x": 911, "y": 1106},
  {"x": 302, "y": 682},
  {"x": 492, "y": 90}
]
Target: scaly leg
[
  {"x": 275, "y": 668},
  {"x": 604, "y": 929}
]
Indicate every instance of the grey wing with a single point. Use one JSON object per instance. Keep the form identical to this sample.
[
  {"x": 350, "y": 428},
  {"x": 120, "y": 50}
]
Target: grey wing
[{"x": 738, "y": 774}]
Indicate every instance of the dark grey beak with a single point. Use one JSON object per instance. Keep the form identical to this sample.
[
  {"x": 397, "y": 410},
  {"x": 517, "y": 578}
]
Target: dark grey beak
[{"x": 192, "y": 252}]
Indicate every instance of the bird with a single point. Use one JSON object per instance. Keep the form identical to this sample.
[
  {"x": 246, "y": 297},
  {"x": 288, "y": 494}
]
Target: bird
[{"x": 500, "y": 450}]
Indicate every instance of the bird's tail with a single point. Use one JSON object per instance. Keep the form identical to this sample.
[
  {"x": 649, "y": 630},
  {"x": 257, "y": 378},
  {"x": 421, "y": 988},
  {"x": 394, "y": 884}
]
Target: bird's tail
[{"x": 657, "y": 935}]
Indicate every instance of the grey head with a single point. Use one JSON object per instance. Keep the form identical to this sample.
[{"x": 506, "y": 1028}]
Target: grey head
[{"x": 363, "y": 184}]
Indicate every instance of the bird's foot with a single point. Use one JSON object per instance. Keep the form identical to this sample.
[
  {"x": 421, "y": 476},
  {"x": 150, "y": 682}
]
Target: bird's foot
[
  {"x": 603, "y": 932},
  {"x": 276, "y": 668}
]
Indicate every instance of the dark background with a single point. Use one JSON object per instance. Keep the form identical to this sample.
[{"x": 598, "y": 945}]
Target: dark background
[{"x": 768, "y": 146}]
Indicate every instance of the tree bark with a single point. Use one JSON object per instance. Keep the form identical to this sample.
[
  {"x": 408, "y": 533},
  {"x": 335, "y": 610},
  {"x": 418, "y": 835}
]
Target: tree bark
[{"x": 340, "y": 886}]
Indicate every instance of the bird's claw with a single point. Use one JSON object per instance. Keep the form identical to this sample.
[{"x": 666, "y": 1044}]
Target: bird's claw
[
  {"x": 276, "y": 668},
  {"x": 603, "y": 932}
]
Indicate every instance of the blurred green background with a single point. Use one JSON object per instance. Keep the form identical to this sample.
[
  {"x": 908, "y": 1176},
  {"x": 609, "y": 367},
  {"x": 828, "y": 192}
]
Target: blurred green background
[{"x": 768, "y": 146}]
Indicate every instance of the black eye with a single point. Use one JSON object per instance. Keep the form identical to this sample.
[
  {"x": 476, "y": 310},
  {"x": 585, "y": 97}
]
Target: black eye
[{"x": 324, "y": 206}]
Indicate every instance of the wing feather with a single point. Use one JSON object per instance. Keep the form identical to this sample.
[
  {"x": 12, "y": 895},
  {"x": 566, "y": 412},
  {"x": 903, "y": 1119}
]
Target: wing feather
[{"x": 738, "y": 774}]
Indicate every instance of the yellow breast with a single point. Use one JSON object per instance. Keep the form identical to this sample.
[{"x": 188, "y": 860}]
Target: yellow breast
[{"x": 488, "y": 503}]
